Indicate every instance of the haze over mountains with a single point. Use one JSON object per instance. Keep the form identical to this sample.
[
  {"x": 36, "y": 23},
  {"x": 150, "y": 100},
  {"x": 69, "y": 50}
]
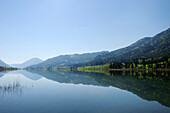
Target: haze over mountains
[
  {"x": 3, "y": 64},
  {"x": 150, "y": 47},
  {"x": 27, "y": 63},
  {"x": 68, "y": 60},
  {"x": 157, "y": 47}
]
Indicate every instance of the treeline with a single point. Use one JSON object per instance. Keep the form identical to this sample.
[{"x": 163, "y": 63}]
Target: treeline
[
  {"x": 7, "y": 68},
  {"x": 96, "y": 67},
  {"x": 142, "y": 64},
  {"x": 53, "y": 68}
]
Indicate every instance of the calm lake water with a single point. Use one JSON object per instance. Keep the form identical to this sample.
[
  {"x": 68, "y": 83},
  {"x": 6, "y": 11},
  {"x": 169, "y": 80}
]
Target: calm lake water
[{"x": 84, "y": 92}]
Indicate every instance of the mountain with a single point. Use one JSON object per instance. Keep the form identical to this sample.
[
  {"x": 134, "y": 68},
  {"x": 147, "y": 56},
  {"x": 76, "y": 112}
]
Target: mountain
[
  {"x": 68, "y": 60},
  {"x": 156, "y": 47},
  {"x": 30, "y": 62},
  {"x": 3, "y": 64}
]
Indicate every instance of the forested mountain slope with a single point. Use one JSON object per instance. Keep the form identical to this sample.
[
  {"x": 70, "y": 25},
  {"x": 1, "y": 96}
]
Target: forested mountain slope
[
  {"x": 67, "y": 60},
  {"x": 156, "y": 47}
]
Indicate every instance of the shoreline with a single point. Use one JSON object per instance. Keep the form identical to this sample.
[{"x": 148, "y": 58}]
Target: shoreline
[{"x": 128, "y": 69}]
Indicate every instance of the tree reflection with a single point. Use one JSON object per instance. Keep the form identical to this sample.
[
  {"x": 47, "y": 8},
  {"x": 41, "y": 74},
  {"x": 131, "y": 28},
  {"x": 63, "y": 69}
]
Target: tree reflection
[{"x": 149, "y": 85}]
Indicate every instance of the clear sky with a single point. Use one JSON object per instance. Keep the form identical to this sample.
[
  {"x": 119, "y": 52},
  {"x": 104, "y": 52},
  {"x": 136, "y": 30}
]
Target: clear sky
[{"x": 48, "y": 28}]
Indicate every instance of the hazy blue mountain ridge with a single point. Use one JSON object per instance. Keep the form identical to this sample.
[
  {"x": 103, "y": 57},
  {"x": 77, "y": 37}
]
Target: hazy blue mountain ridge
[
  {"x": 27, "y": 63},
  {"x": 68, "y": 60},
  {"x": 2, "y": 63}
]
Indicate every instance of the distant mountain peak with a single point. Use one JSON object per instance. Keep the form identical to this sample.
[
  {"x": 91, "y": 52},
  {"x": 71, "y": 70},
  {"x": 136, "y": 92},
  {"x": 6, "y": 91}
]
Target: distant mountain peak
[
  {"x": 35, "y": 58},
  {"x": 67, "y": 60},
  {"x": 2, "y": 63},
  {"x": 32, "y": 61}
]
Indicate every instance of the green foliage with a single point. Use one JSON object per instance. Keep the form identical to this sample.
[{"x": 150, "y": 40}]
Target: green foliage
[
  {"x": 97, "y": 67},
  {"x": 150, "y": 49},
  {"x": 7, "y": 68},
  {"x": 141, "y": 64}
]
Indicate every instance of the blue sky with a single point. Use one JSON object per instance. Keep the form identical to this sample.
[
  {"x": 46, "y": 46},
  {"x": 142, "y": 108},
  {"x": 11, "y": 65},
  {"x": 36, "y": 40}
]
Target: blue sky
[{"x": 48, "y": 28}]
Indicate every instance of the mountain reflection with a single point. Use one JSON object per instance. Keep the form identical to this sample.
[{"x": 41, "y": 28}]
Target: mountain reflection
[
  {"x": 151, "y": 86},
  {"x": 11, "y": 82},
  {"x": 31, "y": 76},
  {"x": 2, "y": 74}
]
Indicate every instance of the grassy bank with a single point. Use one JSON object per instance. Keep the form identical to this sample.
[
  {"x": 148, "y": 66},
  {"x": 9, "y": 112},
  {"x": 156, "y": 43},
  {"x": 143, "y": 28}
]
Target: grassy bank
[{"x": 7, "y": 68}]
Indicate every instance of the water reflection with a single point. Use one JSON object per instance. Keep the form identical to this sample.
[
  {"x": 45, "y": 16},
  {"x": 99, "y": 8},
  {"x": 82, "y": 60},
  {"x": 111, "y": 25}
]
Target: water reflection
[
  {"x": 14, "y": 88},
  {"x": 81, "y": 92},
  {"x": 12, "y": 83},
  {"x": 151, "y": 86},
  {"x": 2, "y": 74},
  {"x": 31, "y": 76}
]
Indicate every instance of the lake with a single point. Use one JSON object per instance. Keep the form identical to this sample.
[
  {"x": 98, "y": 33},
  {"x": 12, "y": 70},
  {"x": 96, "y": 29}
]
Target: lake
[{"x": 39, "y": 91}]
